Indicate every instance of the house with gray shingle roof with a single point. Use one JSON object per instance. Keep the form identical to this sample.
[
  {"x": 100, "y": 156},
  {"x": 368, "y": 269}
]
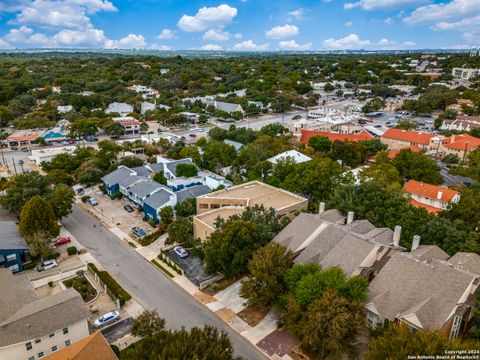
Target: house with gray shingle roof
[
  {"x": 33, "y": 326},
  {"x": 423, "y": 294}
]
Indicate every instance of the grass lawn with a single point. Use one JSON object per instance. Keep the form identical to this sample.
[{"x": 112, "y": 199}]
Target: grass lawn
[{"x": 83, "y": 287}]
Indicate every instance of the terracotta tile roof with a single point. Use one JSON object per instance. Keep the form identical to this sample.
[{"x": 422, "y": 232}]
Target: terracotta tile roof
[
  {"x": 430, "y": 209},
  {"x": 461, "y": 142},
  {"x": 362, "y": 135},
  {"x": 93, "y": 347},
  {"x": 408, "y": 136},
  {"x": 394, "y": 152},
  {"x": 429, "y": 191}
]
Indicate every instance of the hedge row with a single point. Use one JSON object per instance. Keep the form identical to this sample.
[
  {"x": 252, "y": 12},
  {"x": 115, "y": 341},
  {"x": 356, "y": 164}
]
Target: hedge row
[
  {"x": 112, "y": 285},
  {"x": 155, "y": 262}
]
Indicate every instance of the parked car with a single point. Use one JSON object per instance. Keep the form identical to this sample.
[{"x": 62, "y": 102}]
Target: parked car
[
  {"x": 62, "y": 241},
  {"x": 193, "y": 135},
  {"x": 14, "y": 148},
  {"x": 138, "y": 231},
  {"x": 180, "y": 251},
  {"x": 49, "y": 264},
  {"x": 106, "y": 319},
  {"x": 24, "y": 149},
  {"x": 128, "y": 208},
  {"x": 92, "y": 201}
]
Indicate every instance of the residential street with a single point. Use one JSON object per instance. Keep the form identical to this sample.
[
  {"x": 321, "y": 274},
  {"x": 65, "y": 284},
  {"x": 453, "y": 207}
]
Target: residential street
[{"x": 145, "y": 283}]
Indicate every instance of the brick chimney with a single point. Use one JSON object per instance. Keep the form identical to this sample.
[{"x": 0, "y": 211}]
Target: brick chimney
[{"x": 439, "y": 195}]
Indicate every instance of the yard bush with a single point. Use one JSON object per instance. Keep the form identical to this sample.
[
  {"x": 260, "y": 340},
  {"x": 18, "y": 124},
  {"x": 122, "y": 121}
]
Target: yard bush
[
  {"x": 71, "y": 250},
  {"x": 150, "y": 238},
  {"x": 102, "y": 188},
  {"x": 162, "y": 268},
  {"x": 29, "y": 266},
  {"x": 85, "y": 198},
  {"x": 112, "y": 285},
  {"x": 53, "y": 256}
]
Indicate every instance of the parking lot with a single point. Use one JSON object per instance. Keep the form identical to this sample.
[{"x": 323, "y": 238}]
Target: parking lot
[
  {"x": 113, "y": 210},
  {"x": 192, "y": 266}
]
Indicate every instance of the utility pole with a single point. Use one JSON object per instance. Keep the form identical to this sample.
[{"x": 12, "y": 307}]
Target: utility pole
[{"x": 14, "y": 166}]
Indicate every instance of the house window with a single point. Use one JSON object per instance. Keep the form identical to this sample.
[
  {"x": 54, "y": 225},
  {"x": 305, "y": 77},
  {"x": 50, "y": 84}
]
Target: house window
[
  {"x": 37, "y": 341},
  {"x": 203, "y": 206},
  {"x": 67, "y": 342},
  {"x": 54, "y": 348},
  {"x": 51, "y": 335},
  {"x": 29, "y": 346},
  {"x": 65, "y": 330},
  {"x": 40, "y": 354},
  {"x": 11, "y": 257},
  {"x": 457, "y": 321}
]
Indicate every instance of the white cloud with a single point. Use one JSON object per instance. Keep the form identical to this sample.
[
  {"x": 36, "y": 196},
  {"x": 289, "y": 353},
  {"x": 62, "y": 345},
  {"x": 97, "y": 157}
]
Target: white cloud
[
  {"x": 249, "y": 45},
  {"x": 93, "y": 6},
  {"x": 351, "y": 41},
  {"x": 166, "y": 34},
  {"x": 297, "y": 14},
  {"x": 279, "y": 32},
  {"x": 386, "y": 42},
  {"x": 388, "y": 21},
  {"x": 380, "y": 4},
  {"x": 5, "y": 45},
  {"x": 349, "y": 24},
  {"x": 455, "y": 9},
  {"x": 293, "y": 45},
  {"x": 208, "y": 17},
  {"x": 409, "y": 43},
  {"x": 238, "y": 36},
  {"x": 216, "y": 35},
  {"x": 211, "y": 47},
  {"x": 18, "y": 35},
  {"x": 79, "y": 38},
  {"x": 128, "y": 42},
  {"x": 159, "y": 47}
]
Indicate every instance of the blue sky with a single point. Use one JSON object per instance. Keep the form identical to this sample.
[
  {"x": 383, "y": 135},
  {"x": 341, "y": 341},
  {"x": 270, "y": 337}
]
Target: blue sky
[{"x": 240, "y": 24}]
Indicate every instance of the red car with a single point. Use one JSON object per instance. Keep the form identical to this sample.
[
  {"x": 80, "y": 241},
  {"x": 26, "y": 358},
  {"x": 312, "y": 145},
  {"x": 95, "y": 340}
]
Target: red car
[{"x": 62, "y": 241}]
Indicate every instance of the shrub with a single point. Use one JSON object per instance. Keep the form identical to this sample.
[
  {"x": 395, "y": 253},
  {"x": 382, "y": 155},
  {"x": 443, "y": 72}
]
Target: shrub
[
  {"x": 68, "y": 283},
  {"x": 117, "y": 195},
  {"x": 29, "y": 266},
  {"x": 116, "y": 350},
  {"x": 150, "y": 238},
  {"x": 112, "y": 285},
  {"x": 71, "y": 250},
  {"x": 102, "y": 188},
  {"x": 152, "y": 223},
  {"x": 169, "y": 274},
  {"x": 85, "y": 198},
  {"x": 53, "y": 256},
  {"x": 50, "y": 283}
]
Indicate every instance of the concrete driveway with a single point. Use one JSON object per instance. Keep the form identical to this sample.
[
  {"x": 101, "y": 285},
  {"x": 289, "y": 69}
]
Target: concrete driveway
[{"x": 117, "y": 330}]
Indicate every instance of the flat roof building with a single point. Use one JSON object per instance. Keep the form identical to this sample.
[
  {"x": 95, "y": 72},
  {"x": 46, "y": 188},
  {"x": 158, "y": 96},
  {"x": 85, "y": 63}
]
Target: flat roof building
[{"x": 235, "y": 199}]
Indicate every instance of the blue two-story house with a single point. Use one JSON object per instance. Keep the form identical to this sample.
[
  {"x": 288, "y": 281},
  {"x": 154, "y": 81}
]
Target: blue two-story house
[{"x": 14, "y": 251}]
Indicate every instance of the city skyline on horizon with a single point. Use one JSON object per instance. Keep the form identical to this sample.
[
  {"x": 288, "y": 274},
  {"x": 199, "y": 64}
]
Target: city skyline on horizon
[{"x": 240, "y": 25}]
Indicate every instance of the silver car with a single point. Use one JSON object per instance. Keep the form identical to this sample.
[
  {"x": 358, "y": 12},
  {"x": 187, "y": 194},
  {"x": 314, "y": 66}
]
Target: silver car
[{"x": 106, "y": 319}]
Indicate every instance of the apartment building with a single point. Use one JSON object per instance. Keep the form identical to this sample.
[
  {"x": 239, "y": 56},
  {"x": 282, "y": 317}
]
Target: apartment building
[
  {"x": 234, "y": 200},
  {"x": 32, "y": 327},
  {"x": 397, "y": 138},
  {"x": 465, "y": 73}
]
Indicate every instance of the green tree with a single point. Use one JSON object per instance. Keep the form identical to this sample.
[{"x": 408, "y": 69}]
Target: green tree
[
  {"x": 320, "y": 143},
  {"x": 180, "y": 231},
  {"x": 267, "y": 269},
  {"x": 114, "y": 130},
  {"x": 196, "y": 343},
  {"x": 61, "y": 201},
  {"x": 230, "y": 247},
  {"x": 373, "y": 105},
  {"x": 160, "y": 178},
  {"x": 144, "y": 127},
  {"x": 383, "y": 174},
  {"x": 191, "y": 151},
  {"x": 38, "y": 224},
  {"x": 330, "y": 326},
  {"x": 187, "y": 170},
  {"x": 349, "y": 152},
  {"x": 398, "y": 342},
  {"x": 467, "y": 209},
  {"x": 83, "y": 127},
  {"x": 22, "y": 188},
  {"x": 413, "y": 165},
  {"x": 131, "y": 162},
  {"x": 187, "y": 207},
  {"x": 147, "y": 324},
  {"x": 166, "y": 215}
]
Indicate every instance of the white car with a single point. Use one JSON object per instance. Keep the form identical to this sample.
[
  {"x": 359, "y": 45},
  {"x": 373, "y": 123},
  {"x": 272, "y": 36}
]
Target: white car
[
  {"x": 49, "y": 264},
  {"x": 106, "y": 319},
  {"x": 180, "y": 251}
]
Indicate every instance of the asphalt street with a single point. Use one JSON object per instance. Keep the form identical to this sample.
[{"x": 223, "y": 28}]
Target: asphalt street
[{"x": 145, "y": 283}]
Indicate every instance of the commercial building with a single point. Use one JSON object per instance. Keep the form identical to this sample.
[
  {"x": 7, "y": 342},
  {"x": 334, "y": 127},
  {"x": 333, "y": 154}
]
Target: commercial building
[
  {"x": 47, "y": 154},
  {"x": 235, "y": 199},
  {"x": 397, "y": 138},
  {"x": 23, "y": 137},
  {"x": 430, "y": 197},
  {"x": 465, "y": 73},
  {"x": 32, "y": 327},
  {"x": 14, "y": 251},
  {"x": 360, "y": 136}
]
